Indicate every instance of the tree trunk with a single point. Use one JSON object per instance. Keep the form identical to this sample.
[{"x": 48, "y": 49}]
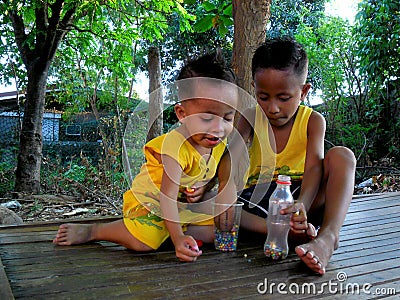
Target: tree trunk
[
  {"x": 250, "y": 23},
  {"x": 155, "y": 124},
  {"x": 30, "y": 148},
  {"x": 51, "y": 23}
]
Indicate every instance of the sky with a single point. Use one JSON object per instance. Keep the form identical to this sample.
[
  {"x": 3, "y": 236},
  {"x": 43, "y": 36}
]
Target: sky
[{"x": 343, "y": 8}]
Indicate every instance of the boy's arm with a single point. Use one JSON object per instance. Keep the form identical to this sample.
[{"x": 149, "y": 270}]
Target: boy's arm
[
  {"x": 227, "y": 185},
  {"x": 235, "y": 152},
  {"x": 313, "y": 169},
  {"x": 185, "y": 246}
]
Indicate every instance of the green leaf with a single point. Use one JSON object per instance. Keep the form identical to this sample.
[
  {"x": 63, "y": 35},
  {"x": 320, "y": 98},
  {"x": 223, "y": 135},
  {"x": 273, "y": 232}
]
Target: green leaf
[
  {"x": 204, "y": 24},
  {"x": 228, "y": 10},
  {"x": 227, "y": 21},
  {"x": 208, "y": 6},
  {"x": 222, "y": 29}
]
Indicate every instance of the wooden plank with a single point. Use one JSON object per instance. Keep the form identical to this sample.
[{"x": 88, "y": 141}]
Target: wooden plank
[
  {"x": 40, "y": 257},
  {"x": 371, "y": 205},
  {"x": 367, "y": 214},
  {"x": 162, "y": 275},
  {"x": 5, "y": 289},
  {"x": 38, "y": 225},
  {"x": 366, "y": 197},
  {"x": 37, "y": 269},
  {"x": 38, "y": 251}
]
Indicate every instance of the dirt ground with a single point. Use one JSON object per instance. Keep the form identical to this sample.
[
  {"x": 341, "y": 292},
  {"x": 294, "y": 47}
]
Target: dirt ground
[{"x": 39, "y": 208}]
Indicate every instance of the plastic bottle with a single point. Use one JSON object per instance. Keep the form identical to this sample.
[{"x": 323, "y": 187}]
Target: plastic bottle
[{"x": 276, "y": 245}]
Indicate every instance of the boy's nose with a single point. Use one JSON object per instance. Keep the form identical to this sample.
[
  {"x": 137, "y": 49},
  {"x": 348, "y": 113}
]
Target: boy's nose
[
  {"x": 273, "y": 107},
  {"x": 218, "y": 125}
]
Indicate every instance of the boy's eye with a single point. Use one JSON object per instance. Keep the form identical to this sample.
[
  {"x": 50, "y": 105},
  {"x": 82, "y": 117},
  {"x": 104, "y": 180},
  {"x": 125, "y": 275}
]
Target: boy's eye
[
  {"x": 207, "y": 117},
  {"x": 284, "y": 98},
  {"x": 228, "y": 119}
]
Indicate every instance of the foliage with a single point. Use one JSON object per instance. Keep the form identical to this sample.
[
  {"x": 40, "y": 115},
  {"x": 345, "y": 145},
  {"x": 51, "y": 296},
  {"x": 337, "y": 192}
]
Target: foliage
[
  {"x": 218, "y": 16},
  {"x": 378, "y": 34},
  {"x": 134, "y": 138},
  {"x": 100, "y": 50},
  {"x": 106, "y": 58},
  {"x": 7, "y": 177},
  {"x": 333, "y": 71},
  {"x": 77, "y": 173},
  {"x": 287, "y": 15},
  {"x": 82, "y": 178},
  {"x": 294, "y": 19},
  {"x": 377, "y": 31},
  {"x": 98, "y": 56},
  {"x": 170, "y": 119},
  {"x": 8, "y": 158},
  {"x": 211, "y": 29}
]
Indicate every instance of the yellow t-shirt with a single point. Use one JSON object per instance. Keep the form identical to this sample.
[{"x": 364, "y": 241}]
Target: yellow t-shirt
[
  {"x": 146, "y": 185},
  {"x": 265, "y": 164}
]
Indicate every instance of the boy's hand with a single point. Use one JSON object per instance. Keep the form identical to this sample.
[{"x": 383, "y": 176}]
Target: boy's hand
[
  {"x": 194, "y": 194},
  {"x": 298, "y": 220},
  {"x": 186, "y": 248}
]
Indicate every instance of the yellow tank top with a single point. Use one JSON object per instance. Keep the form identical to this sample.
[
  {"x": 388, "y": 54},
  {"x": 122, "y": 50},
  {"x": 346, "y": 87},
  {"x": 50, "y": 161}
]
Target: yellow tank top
[
  {"x": 146, "y": 185},
  {"x": 265, "y": 164}
]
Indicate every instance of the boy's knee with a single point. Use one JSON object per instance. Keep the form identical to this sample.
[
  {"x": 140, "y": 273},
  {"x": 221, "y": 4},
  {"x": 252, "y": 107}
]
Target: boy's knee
[
  {"x": 138, "y": 246},
  {"x": 341, "y": 154}
]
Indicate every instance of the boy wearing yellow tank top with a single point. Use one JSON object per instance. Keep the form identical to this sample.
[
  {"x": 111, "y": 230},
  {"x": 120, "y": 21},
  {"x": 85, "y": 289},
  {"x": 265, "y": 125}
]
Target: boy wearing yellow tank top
[
  {"x": 285, "y": 137},
  {"x": 162, "y": 201}
]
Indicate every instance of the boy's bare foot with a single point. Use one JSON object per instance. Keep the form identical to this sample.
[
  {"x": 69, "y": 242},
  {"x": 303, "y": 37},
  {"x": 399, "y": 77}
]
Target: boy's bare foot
[
  {"x": 72, "y": 234},
  {"x": 317, "y": 253}
]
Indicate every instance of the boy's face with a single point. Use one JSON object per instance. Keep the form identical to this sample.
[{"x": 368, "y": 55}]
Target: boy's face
[
  {"x": 279, "y": 94},
  {"x": 207, "y": 121}
]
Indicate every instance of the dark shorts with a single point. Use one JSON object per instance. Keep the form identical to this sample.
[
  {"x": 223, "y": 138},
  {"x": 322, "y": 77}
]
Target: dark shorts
[{"x": 260, "y": 193}]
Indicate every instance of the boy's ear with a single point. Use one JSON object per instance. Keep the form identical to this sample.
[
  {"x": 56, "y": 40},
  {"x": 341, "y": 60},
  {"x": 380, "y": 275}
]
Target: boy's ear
[
  {"x": 304, "y": 91},
  {"x": 179, "y": 112}
]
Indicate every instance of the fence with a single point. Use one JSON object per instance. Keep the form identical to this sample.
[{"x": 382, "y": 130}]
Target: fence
[{"x": 81, "y": 146}]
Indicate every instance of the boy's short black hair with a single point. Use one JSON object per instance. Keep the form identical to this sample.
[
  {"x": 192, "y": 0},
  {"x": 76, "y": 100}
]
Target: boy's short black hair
[
  {"x": 210, "y": 65},
  {"x": 280, "y": 54}
]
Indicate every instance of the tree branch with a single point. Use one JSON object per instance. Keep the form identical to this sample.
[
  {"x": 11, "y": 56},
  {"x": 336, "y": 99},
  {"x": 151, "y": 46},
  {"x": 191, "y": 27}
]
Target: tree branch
[
  {"x": 21, "y": 37},
  {"x": 69, "y": 27},
  {"x": 56, "y": 9},
  {"x": 42, "y": 21},
  {"x": 58, "y": 27}
]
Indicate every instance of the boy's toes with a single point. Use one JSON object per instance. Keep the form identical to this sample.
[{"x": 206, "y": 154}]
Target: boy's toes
[
  {"x": 310, "y": 259},
  {"x": 300, "y": 251}
]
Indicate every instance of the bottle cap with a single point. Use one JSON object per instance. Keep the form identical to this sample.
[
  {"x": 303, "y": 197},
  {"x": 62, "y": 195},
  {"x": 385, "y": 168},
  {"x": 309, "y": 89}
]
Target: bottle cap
[{"x": 283, "y": 179}]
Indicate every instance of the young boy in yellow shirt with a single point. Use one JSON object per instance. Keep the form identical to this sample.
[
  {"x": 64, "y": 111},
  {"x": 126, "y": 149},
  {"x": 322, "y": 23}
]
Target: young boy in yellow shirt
[
  {"x": 288, "y": 138},
  {"x": 178, "y": 166}
]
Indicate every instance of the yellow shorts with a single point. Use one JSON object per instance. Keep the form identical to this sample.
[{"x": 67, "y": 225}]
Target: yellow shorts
[{"x": 150, "y": 229}]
